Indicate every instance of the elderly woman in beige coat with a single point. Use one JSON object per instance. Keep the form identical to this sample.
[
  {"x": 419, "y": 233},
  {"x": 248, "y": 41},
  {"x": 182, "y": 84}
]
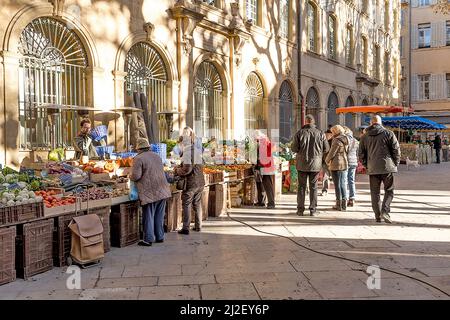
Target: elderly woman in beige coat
[
  {"x": 154, "y": 190},
  {"x": 337, "y": 162}
]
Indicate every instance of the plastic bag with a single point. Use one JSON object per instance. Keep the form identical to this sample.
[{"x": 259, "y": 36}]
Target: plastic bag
[{"x": 134, "y": 195}]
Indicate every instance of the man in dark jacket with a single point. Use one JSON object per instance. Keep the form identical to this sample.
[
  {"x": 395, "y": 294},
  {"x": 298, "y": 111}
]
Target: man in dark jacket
[
  {"x": 379, "y": 152},
  {"x": 437, "y": 145},
  {"x": 310, "y": 144}
]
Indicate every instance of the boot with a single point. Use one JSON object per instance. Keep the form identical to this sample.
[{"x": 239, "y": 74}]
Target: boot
[
  {"x": 350, "y": 203},
  {"x": 344, "y": 205},
  {"x": 337, "y": 206}
]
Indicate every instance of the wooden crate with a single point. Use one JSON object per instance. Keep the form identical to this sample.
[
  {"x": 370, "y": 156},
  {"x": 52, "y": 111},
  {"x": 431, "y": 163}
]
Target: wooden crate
[
  {"x": 34, "y": 248},
  {"x": 62, "y": 239},
  {"x": 250, "y": 192},
  {"x": 217, "y": 200},
  {"x": 173, "y": 218},
  {"x": 7, "y": 255},
  {"x": 125, "y": 224}
]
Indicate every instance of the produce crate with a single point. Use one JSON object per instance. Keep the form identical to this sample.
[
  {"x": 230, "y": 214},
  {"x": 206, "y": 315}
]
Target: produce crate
[
  {"x": 234, "y": 191},
  {"x": 34, "y": 248},
  {"x": 217, "y": 200},
  {"x": 125, "y": 224},
  {"x": 174, "y": 212},
  {"x": 7, "y": 255},
  {"x": 250, "y": 192},
  {"x": 216, "y": 177},
  {"x": 27, "y": 211},
  {"x": 104, "y": 214},
  {"x": 6, "y": 215},
  {"x": 62, "y": 239}
]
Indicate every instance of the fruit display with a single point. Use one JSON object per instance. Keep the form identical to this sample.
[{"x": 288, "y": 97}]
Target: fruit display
[
  {"x": 93, "y": 194},
  {"x": 51, "y": 200},
  {"x": 120, "y": 192},
  {"x": 18, "y": 197},
  {"x": 226, "y": 168}
]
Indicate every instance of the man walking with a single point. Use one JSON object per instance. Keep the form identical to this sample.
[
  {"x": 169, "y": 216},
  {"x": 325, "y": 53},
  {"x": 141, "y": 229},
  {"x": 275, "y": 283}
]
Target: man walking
[
  {"x": 310, "y": 144},
  {"x": 379, "y": 152},
  {"x": 437, "y": 144}
]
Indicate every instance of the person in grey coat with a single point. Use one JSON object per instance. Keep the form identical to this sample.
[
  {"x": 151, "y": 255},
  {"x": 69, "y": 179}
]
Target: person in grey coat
[
  {"x": 191, "y": 169},
  {"x": 352, "y": 165},
  {"x": 379, "y": 152},
  {"x": 310, "y": 144},
  {"x": 153, "y": 189}
]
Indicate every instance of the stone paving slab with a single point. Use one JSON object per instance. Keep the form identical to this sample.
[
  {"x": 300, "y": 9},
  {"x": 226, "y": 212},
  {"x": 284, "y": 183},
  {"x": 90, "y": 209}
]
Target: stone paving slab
[
  {"x": 190, "y": 292},
  {"x": 287, "y": 289},
  {"x": 229, "y": 291},
  {"x": 186, "y": 280},
  {"x": 110, "y": 294},
  {"x": 127, "y": 282}
]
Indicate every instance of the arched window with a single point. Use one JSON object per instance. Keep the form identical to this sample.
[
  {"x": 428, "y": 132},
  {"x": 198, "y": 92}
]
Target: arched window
[
  {"x": 365, "y": 55},
  {"x": 313, "y": 104},
  {"x": 312, "y": 27},
  {"x": 332, "y": 36},
  {"x": 387, "y": 58},
  {"x": 287, "y": 120},
  {"x": 253, "y": 10},
  {"x": 333, "y": 104},
  {"x": 349, "y": 52},
  {"x": 350, "y": 117},
  {"x": 284, "y": 18},
  {"x": 52, "y": 72},
  {"x": 208, "y": 92},
  {"x": 254, "y": 98}
]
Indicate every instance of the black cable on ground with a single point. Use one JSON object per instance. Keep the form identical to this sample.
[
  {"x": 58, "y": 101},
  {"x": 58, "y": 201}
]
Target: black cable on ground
[{"x": 333, "y": 256}]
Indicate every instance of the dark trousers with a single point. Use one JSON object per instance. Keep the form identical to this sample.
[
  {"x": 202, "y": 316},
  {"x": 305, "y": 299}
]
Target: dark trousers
[
  {"x": 266, "y": 185},
  {"x": 153, "y": 220},
  {"x": 375, "y": 184},
  {"x": 438, "y": 155},
  {"x": 192, "y": 199},
  {"x": 303, "y": 178}
]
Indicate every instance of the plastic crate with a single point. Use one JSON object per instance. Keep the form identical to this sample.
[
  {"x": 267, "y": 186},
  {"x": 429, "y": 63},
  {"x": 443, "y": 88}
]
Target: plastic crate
[
  {"x": 62, "y": 240},
  {"x": 161, "y": 150},
  {"x": 103, "y": 150},
  {"x": 34, "y": 248},
  {"x": 7, "y": 255},
  {"x": 104, "y": 214},
  {"x": 125, "y": 224},
  {"x": 98, "y": 133}
]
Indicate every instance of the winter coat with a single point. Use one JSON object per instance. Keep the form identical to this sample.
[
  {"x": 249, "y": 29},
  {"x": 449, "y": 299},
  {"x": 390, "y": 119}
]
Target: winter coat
[
  {"x": 379, "y": 150},
  {"x": 352, "y": 151},
  {"x": 310, "y": 144},
  {"x": 266, "y": 162},
  {"x": 437, "y": 143},
  {"x": 148, "y": 174},
  {"x": 192, "y": 169},
  {"x": 337, "y": 158},
  {"x": 85, "y": 146}
]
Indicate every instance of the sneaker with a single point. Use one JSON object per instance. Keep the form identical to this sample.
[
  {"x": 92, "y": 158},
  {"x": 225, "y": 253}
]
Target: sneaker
[
  {"x": 197, "y": 229},
  {"x": 378, "y": 220},
  {"x": 183, "y": 231},
  {"x": 143, "y": 243},
  {"x": 300, "y": 213},
  {"x": 271, "y": 207},
  {"x": 159, "y": 241},
  {"x": 386, "y": 218}
]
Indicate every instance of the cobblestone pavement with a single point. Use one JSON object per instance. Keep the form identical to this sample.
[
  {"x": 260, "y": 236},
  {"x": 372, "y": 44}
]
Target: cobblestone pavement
[{"x": 230, "y": 261}]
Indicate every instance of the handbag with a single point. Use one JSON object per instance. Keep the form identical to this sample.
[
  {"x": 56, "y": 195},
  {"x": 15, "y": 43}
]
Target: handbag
[{"x": 181, "y": 184}]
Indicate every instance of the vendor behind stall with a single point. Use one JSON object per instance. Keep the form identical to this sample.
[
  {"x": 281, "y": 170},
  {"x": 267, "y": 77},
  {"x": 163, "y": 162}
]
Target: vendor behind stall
[{"x": 84, "y": 144}]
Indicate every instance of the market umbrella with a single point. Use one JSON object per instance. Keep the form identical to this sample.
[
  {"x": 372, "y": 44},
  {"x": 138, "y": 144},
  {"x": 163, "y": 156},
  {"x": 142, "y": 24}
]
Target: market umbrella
[{"x": 154, "y": 125}]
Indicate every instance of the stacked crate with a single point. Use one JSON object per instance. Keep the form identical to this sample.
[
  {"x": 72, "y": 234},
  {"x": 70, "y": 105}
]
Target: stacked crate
[
  {"x": 34, "y": 248},
  {"x": 7, "y": 255},
  {"x": 125, "y": 224},
  {"x": 174, "y": 211},
  {"x": 62, "y": 240},
  {"x": 217, "y": 205}
]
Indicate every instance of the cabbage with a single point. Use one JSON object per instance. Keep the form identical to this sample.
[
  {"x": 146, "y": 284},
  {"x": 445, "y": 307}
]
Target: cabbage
[
  {"x": 19, "y": 198},
  {"x": 10, "y": 203},
  {"x": 11, "y": 178},
  {"x": 39, "y": 199},
  {"x": 31, "y": 194}
]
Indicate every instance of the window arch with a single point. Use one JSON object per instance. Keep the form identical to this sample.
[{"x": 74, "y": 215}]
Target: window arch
[
  {"x": 350, "y": 119},
  {"x": 312, "y": 27},
  {"x": 287, "y": 119},
  {"x": 333, "y": 104},
  {"x": 146, "y": 73},
  {"x": 284, "y": 18},
  {"x": 254, "y": 103},
  {"x": 332, "y": 36},
  {"x": 52, "y": 71},
  {"x": 208, "y": 91},
  {"x": 313, "y": 104}
]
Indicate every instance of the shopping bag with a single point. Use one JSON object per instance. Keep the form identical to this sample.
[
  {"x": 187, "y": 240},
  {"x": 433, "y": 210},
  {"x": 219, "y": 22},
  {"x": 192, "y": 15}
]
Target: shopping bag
[{"x": 134, "y": 195}]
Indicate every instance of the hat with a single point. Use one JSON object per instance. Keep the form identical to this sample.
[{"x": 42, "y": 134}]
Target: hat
[{"x": 142, "y": 143}]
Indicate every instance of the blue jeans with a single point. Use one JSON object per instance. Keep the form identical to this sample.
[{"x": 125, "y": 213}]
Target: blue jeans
[
  {"x": 153, "y": 220},
  {"x": 351, "y": 182},
  {"x": 340, "y": 184}
]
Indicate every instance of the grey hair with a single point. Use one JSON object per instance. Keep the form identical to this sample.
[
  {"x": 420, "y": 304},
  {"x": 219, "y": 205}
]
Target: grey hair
[
  {"x": 310, "y": 119},
  {"x": 376, "y": 119}
]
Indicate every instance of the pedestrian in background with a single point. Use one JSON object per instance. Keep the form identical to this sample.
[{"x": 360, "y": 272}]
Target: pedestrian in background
[
  {"x": 326, "y": 172},
  {"x": 437, "y": 145},
  {"x": 154, "y": 190},
  {"x": 352, "y": 165},
  {"x": 337, "y": 161},
  {"x": 310, "y": 145},
  {"x": 379, "y": 152},
  {"x": 191, "y": 169},
  {"x": 265, "y": 171}
]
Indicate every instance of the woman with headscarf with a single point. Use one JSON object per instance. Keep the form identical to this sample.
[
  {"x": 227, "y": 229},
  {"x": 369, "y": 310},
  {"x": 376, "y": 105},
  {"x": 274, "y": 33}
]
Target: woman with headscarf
[{"x": 337, "y": 162}]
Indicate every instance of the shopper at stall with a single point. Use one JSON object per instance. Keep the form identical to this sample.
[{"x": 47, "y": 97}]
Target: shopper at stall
[
  {"x": 352, "y": 165},
  {"x": 337, "y": 161},
  {"x": 191, "y": 169},
  {"x": 326, "y": 173},
  {"x": 310, "y": 145},
  {"x": 153, "y": 189},
  {"x": 437, "y": 145},
  {"x": 379, "y": 152},
  {"x": 83, "y": 141},
  {"x": 265, "y": 171}
]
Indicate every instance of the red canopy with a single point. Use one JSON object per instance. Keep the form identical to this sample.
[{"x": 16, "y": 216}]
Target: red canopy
[{"x": 372, "y": 109}]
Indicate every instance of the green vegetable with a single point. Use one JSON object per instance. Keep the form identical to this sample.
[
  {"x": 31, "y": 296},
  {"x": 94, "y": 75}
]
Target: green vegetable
[
  {"x": 8, "y": 170},
  {"x": 35, "y": 185}
]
